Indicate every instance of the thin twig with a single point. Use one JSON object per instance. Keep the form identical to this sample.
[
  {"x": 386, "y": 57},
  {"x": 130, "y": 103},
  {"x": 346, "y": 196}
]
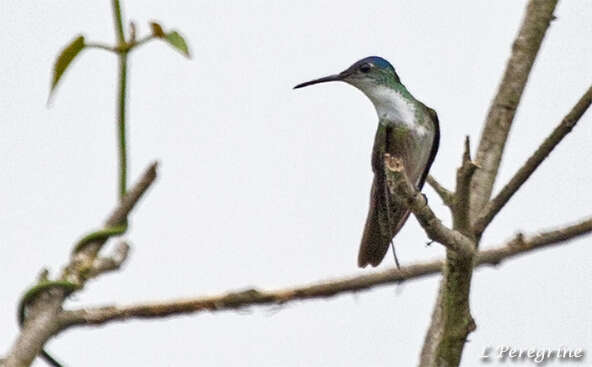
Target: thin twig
[
  {"x": 446, "y": 195},
  {"x": 251, "y": 297},
  {"x": 542, "y": 152},
  {"x": 125, "y": 48},
  {"x": 101, "y": 46},
  {"x": 141, "y": 41}
]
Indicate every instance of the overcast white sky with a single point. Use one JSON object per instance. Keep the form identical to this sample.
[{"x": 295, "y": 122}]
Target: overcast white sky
[{"x": 264, "y": 186}]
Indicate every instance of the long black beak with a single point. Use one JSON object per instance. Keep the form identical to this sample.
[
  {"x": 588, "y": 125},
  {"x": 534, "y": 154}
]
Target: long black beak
[{"x": 330, "y": 78}]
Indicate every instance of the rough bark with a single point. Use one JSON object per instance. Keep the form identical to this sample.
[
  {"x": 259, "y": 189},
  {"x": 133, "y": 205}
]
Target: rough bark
[
  {"x": 539, "y": 14},
  {"x": 451, "y": 319},
  {"x": 233, "y": 300}
]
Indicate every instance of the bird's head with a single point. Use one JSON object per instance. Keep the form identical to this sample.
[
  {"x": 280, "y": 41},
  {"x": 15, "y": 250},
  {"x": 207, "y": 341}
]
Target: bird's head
[{"x": 365, "y": 75}]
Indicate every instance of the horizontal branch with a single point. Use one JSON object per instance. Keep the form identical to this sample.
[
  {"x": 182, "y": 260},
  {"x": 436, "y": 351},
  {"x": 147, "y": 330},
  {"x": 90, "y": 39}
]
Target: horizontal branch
[
  {"x": 542, "y": 152},
  {"x": 520, "y": 244},
  {"x": 399, "y": 183},
  {"x": 251, "y": 297}
]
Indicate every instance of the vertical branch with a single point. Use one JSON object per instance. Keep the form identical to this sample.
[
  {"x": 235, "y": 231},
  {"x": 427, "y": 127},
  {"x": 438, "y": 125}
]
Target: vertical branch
[
  {"x": 451, "y": 319},
  {"x": 118, "y": 19},
  {"x": 464, "y": 173},
  {"x": 539, "y": 14},
  {"x": 122, "y": 85},
  {"x": 122, "y": 90}
]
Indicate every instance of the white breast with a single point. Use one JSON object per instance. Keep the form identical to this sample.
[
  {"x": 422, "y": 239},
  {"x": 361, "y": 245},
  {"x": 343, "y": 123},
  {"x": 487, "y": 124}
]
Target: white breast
[{"x": 392, "y": 106}]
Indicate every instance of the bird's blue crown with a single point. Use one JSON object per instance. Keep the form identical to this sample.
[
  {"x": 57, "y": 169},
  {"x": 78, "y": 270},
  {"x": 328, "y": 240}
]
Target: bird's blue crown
[{"x": 378, "y": 62}]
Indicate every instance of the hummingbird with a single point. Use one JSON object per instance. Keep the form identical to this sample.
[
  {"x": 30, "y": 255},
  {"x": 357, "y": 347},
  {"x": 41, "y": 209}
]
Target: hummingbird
[{"x": 407, "y": 129}]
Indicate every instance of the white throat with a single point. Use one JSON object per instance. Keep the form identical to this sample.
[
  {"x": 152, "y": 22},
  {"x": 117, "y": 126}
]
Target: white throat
[{"x": 391, "y": 105}]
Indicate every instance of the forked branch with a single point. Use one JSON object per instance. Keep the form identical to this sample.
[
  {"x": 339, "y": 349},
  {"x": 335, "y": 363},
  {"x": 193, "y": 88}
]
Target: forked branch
[
  {"x": 400, "y": 185},
  {"x": 42, "y": 320},
  {"x": 236, "y": 300},
  {"x": 542, "y": 152},
  {"x": 538, "y": 17}
]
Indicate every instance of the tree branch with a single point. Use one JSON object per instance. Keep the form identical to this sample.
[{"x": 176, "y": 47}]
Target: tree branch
[
  {"x": 42, "y": 314},
  {"x": 464, "y": 174},
  {"x": 451, "y": 320},
  {"x": 446, "y": 195},
  {"x": 119, "y": 215},
  {"x": 539, "y": 14},
  {"x": 449, "y": 329},
  {"x": 520, "y": 244},
  {"x": 251, "y": 297},
  {"x": 400, "y": 185},
  {"x": 542, "y": 152},
  {"x": 111, "y": 263}
]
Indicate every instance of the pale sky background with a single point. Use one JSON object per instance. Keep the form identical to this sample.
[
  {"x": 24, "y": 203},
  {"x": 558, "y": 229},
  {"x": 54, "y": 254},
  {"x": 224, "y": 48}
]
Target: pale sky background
[{"x": 262, "y": 186}]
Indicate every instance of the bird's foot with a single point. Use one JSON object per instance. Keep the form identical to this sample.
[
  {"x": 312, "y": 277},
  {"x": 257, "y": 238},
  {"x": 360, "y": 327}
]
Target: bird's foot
[{"x": 425, "y": 198}]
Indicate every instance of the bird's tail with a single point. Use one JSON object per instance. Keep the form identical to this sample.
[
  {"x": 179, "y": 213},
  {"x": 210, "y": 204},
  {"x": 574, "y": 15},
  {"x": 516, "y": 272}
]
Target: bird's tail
[{"x": 377, "y": 236}]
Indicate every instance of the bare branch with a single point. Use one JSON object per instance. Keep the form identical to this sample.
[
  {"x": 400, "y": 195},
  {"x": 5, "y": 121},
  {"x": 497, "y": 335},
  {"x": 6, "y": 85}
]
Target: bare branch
[
  {"x": 451, "y": 320},
  {"x": 464, "y": 174},
  {"x": 251, "y": 297},
  {"x": 446, "y": 195},
  {"x": 539, "y": 14},
  {"x": 111, "y": 263},
  {"x": 444, "y": 344},
  {"x": 542, "y": 152},
  {"x": 42, "y": 316},
  {"x": 400, "y": 185},
  {"x": 548, "y": 238},
  {"x": 236, "y": 300}
]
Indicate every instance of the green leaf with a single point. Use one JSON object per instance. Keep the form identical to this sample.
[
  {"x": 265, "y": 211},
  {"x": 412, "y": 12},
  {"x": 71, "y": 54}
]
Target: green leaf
[
  {"x": 177, "y": 41},
  {"x": 64, "y": 60}
]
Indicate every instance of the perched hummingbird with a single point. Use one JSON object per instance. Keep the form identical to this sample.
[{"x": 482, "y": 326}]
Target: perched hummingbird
[{"x": 407, "y": 129}]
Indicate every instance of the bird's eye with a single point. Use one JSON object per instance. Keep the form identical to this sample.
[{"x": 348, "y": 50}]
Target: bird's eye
[{"x": 365, "y": 68}]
